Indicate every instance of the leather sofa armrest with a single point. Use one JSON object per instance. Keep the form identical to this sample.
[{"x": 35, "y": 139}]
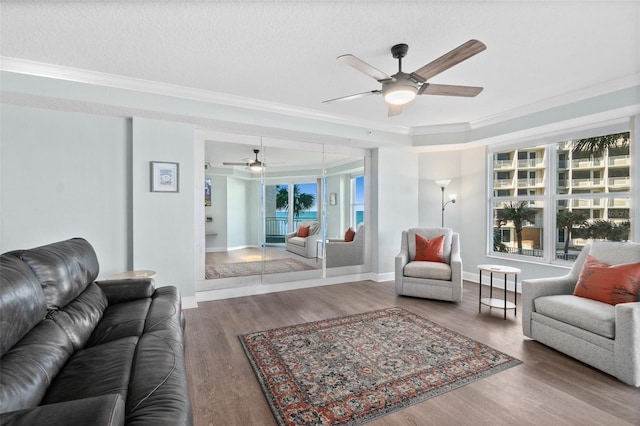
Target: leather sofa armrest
[
  {"x": 118, "y": 291},
  {"x": 104, "y": 410}
]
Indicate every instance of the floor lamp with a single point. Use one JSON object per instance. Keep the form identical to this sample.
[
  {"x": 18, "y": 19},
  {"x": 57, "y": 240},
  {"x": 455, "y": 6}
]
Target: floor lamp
[{"x": 452, "y": 197}]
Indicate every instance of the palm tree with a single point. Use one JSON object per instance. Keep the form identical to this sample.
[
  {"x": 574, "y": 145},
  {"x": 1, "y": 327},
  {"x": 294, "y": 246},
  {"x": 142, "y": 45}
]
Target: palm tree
[
  {"x": 517, "y": 212},
  {"x": 301, "y": 201},
  {"x": 597, "y": 145},
  {"x": 568, "y": 220}
]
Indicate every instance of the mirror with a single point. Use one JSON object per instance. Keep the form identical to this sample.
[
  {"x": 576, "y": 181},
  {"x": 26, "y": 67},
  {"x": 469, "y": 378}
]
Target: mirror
[
  {"x": 345, "y": 183},
  {"x": 254, "y": 218}
]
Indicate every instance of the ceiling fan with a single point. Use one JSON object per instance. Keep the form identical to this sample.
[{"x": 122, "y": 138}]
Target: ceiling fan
[
  {"x": 401, "y": 88},
  {"x": 255, "y": 165}
]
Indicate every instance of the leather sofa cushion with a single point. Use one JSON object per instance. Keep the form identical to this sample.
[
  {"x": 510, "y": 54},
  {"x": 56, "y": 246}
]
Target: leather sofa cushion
[
  {"x": 591, "y": 315},
  {"x": 79, "y": 318},
  {"x": 64, "y": 269},
  {"x": 27, "y": 369},
  {"x": 165, "y": 311},
  {"x": 121, "y": 320},
  {"x": 158, "y": 391},
  {"x": 107, "y": 410},
  {"x": 95, "y": 371},
  {"x": 22, "y": 302},
  {"x": 428, "y": 270}
]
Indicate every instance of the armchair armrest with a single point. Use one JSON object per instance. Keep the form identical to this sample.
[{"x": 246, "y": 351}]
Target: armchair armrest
[
  {"x": 118, "y": 291},
  {"x": 538, "y": 287},
  {"x": 401, "y": 260},
  {"x": 107, "y": 410},
  {"x": 627, "y": 341}
]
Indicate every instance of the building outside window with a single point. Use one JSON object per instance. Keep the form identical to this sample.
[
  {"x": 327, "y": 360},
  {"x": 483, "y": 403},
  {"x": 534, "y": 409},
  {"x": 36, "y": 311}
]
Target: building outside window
[{"x": 558, "y": 197}]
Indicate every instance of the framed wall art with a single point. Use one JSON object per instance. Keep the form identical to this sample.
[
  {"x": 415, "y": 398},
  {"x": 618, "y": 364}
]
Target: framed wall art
[{"x": 165, "y": 176}]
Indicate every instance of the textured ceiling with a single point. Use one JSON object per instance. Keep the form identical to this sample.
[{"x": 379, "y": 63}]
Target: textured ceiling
[{"x": 285, "y": 52}]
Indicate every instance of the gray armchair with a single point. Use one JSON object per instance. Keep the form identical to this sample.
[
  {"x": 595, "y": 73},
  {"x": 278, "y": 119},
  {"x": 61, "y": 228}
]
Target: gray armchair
[
  {"x": 604, "y": 336},
  {"x": 304, "y": 246},
  {"x": 431, "y": 280},
  {"x": 342, "y": 253}
]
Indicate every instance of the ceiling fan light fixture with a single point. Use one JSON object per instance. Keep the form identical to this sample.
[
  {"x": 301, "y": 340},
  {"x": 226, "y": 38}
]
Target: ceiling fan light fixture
[
  {"x": 400, "y": 94},
  {"x": 255, "y": 166}
]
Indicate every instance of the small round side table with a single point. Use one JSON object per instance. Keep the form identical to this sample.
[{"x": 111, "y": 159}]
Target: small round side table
[{"x": 499, "y": 303}]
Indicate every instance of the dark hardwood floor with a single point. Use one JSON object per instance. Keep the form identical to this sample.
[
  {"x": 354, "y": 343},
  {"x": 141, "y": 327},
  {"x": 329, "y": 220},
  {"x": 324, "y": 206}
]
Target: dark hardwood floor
[{"x": 549, "y": 388}]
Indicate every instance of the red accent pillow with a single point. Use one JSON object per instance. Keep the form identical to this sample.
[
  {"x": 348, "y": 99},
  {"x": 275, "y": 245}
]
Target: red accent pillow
[
  {"x": 430, "y": 250},
  {"x": 303, "y": 231},
  {"x": 606, "y": 283},
  {"x": 348, "y": 236}
]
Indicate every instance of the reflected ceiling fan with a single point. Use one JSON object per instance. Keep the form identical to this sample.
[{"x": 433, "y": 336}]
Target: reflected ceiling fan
[
  {"x": 253, "y": 164},
  {"x": 401, "y": 88}
]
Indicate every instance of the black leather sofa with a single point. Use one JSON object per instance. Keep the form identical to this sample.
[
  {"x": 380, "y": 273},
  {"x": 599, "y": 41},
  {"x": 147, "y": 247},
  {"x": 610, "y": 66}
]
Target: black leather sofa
[{"x": 79, "y": 352}]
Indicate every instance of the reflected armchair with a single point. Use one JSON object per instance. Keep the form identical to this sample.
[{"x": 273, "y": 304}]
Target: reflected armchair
[
  {"x": 304, "y": 246},
  {"x": 342, "y": 253},
  {"x": 431, "y": 280}
]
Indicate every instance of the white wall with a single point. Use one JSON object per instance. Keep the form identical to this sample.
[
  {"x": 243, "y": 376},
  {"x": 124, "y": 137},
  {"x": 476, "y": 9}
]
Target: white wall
[
  {"x": 338, "y": 215},
  {"x": 218, "y": 211},
  {"x": 164, "y": 223},
  {"x": 239, "y": 213},
  {"x": 434, "y": 166},
  {"x": 395, "y": 199},
  {"x": 66, "y": 175}
]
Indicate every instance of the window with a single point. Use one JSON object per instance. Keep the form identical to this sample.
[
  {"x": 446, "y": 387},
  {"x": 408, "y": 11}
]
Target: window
[
  {"x": 357, "y": 201},
  {"x": 568, "y": 194}
]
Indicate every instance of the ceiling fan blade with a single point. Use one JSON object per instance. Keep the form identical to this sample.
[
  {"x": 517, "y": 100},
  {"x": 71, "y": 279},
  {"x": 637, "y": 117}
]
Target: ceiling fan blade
[
  {"x": 446, "y": 61},
  {"x": 225, "y": 163},
  {"x": 394, "y": 110},
  {"x": 364, "y": 67},
  {"x": 449, "y": 90},
  {"x": 356, "y": 96}
]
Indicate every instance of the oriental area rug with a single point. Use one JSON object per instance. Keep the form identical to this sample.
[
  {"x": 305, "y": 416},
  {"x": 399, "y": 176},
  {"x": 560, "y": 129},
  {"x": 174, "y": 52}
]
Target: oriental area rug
[
  {"x": 351, "y": 370},
  {"x": 241, "y": 269}
]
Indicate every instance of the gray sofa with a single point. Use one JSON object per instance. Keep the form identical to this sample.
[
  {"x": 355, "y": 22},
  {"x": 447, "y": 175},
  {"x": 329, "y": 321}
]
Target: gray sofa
[
  {"x": 304, "y": 246},
  {"x": 604, "y": 336},
  {"x": 342, "y": 253},
  {"x": 430, "y": 280}
]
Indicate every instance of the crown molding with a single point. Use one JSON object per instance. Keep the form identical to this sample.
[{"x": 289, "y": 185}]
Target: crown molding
[
  {"x": 40, "y": 69},
  {"x": 564, "y": 99},
  {"x": 59, "y": 72}
]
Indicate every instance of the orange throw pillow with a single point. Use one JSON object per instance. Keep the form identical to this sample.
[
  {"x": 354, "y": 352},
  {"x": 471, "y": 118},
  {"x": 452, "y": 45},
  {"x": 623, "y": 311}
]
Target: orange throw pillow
[
  {"x": 430, "y": 250},
  {"x": 303, "y": 231},
  {"x": 348, "y": 236},
  {"x": 609, "y": 284}
]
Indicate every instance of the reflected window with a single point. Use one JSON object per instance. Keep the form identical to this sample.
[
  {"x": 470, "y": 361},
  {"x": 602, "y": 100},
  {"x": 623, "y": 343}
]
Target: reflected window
[{"x": 357, "y": 200}]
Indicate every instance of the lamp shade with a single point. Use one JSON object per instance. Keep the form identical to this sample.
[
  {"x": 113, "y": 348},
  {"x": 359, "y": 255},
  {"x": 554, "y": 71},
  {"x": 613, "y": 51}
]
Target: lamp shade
[
  {"x": 443, "y": 183},
  {"x": 453, "y": 197}
]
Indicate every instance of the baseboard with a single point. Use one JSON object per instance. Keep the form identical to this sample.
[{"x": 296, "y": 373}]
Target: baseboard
[
  {"x": 379, "y": 278},
  {"x": 189, "y": 302},
  {"x": 216, "y": 249},
  {"x": 228, "y": 293}
]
